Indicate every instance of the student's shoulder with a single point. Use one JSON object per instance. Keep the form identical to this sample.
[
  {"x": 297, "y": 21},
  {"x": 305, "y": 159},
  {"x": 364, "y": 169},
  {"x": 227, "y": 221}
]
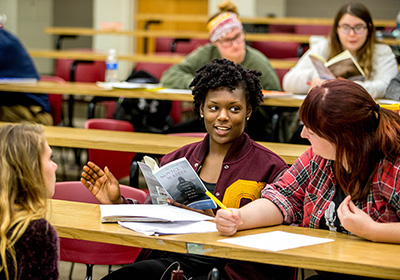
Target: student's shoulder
[
  {"x": 40, "y": 228},
  {"x": 383, "y": 50}
]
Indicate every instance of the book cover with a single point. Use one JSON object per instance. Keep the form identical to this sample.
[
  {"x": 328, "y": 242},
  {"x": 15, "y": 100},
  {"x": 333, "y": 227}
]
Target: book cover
[
  {"x": 176, "y": 180},
  {"x": 343, "y": 65}
]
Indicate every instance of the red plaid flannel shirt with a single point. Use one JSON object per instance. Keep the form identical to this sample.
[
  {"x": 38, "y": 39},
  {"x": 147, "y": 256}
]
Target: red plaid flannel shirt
[{"x": 305, "y": 190}]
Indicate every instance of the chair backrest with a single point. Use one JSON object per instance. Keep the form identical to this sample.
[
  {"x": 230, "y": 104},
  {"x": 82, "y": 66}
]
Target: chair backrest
[
  {"x": 156, "y": 69},
  {"x": 178, "y": 46},
  {"x": 76, "y": 191},
  {"x": 55, "y": 100},
  {"x": 88, "y": 252},
  {"x": 117, "y": 162},
  {"x": 312, "y": 29},
  {"x": 279, "y": 50},
  {"x": 85, "y": 71}
]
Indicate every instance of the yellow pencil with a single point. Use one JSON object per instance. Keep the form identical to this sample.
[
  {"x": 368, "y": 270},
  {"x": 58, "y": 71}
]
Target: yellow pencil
[{"x": 216, "y": 200}]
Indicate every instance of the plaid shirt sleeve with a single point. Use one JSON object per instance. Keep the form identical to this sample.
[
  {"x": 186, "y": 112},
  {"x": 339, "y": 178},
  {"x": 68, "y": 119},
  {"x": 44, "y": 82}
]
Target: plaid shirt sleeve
[{"x": 288, "y": 193}]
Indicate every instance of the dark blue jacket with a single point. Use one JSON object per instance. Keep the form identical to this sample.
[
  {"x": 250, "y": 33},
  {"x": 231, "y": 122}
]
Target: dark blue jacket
[{"x": 16, "y": 63}]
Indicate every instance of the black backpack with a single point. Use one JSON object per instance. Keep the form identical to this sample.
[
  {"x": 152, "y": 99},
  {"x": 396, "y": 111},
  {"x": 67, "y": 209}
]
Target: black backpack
[{"x": 146, "y": 115}]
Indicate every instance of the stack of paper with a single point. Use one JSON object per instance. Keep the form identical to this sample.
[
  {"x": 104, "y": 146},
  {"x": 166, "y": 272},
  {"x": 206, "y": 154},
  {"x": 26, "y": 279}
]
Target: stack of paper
[
  {"x": 170, "y": 228},
  {"x": 149, "y": 213}
]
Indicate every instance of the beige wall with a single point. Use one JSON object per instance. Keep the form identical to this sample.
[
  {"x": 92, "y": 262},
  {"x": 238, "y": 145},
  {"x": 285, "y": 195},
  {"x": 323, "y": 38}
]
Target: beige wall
[
  {"x": 28, "y": 18},
  {"x": 380, "y": 9}
]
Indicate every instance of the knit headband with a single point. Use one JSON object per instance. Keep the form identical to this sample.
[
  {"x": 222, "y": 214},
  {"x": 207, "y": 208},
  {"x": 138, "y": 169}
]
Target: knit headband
[{"x": 222, "y": 25}]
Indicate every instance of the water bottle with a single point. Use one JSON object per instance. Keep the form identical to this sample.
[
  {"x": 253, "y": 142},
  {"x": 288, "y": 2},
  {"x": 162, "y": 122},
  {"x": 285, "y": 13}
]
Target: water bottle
[
  {"x": 396, "y": 32},
  {"x": 111, "y": 75}
]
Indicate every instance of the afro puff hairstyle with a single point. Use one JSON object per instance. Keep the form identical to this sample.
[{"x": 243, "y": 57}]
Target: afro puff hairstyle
[{"x": 223, "y": 73}]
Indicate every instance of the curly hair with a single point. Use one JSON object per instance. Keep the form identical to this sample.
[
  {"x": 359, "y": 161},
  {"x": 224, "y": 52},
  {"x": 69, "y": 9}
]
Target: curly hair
[{"x": 223, "y": 73}]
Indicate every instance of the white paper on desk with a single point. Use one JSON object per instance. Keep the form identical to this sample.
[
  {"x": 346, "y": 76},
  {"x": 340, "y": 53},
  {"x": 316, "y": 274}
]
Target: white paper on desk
[
  {"x": 148, "y": 213},
  {"x": 127, "y": 85},
  {"x": 4, "y": 80},
  {"x": 170, "y": 228},
  {"x": 276, "y": 240},
  {"x": 173, "y": 90}
]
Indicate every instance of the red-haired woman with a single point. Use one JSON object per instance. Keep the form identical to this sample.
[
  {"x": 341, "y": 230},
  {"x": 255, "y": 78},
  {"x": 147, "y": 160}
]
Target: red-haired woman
[{"x": 348, "y": 181}]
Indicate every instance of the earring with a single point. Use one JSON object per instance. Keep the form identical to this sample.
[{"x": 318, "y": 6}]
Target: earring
[
  {"x": 201, "y": 116},
  {"x": 247, "y": 118}
]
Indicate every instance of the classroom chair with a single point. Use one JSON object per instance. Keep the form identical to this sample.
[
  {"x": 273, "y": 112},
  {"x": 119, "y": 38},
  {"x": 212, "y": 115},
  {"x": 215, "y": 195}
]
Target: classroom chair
[
  {"x": 88, "y": 252},
  {"x": 79, "y": 71},
  {"x": 278, "y": 50},
  {"x": 55, "y": 100},
  {"x": 178, "y": 46},
  {"x": 117, "y": 162}
]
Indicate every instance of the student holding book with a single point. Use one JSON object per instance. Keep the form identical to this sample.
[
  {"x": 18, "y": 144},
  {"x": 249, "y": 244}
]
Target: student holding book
[
  {"x": 349, "y": 179},
  {"x": 29, "y": 247},
  {"x": 227, "y": 40},
  {"x": 352, "y": 30},
  {"x": 232, "y": 166}
]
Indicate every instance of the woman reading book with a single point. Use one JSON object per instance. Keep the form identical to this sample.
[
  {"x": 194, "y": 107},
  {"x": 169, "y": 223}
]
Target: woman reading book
[
  {"x": 232, "y": 166},
  {"x": 352, "y": 30},
  {"x": 349, "y": 179}
]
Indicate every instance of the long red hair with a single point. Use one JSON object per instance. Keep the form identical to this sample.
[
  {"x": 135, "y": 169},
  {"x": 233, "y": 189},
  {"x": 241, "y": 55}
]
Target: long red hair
[{"x": 343, "y": 113}]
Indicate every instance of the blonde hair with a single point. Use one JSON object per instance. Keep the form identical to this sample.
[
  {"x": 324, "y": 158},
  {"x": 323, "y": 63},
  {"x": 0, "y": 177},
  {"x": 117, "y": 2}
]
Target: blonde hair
[
  {"x": 225, "y": 7},
  {"x": 22, "y": 187}
]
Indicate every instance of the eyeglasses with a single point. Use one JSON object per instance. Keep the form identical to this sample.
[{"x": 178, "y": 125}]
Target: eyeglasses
[
  {"x": 226, "y": 43},
  {"x": 358, "y": 29}
]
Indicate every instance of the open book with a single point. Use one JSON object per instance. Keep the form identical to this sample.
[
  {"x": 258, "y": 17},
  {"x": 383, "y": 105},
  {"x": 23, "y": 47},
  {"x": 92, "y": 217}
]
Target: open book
[
  {"x": 343, "y": 65},
  {"x": 176, "y": 180}
]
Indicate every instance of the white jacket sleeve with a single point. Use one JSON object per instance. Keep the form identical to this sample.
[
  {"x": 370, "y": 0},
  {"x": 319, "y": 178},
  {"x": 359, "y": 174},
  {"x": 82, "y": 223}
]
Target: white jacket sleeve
[
  {"x": 384, "y": 68},
  {"x": 304, "y": 71}
]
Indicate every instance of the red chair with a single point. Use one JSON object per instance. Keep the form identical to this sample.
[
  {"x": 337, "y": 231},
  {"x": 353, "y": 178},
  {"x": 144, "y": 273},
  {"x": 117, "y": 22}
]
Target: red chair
[
  {"x": 79, "y": 71},
  {"x": 278, "y": 50},
  {"x": 312, "y": 29},
  {"x": 55, "y": 100},
  {"x": 88, "y": 252},
  {"x": 178, "y": 46},
  {"x": 118, "y": 162}
]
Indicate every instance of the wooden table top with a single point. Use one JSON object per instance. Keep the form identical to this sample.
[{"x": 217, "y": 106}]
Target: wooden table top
[
  {"x": 140, "y": 142},
  {"x": 184, "y": 34},
  {"x": 91, "y": 89},
  {"x": 253, "y": 20},
  {"x": 347, "y": 254},
  {"x": 170, "y": 59}
]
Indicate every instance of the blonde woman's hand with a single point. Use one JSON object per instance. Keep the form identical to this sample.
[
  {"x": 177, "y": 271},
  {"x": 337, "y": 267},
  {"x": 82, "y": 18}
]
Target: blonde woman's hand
[{"x": 102, "y": 184}]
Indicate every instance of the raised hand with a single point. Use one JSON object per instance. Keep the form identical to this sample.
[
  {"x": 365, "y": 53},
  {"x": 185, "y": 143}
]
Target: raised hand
[{"x": 102, "y": 184}]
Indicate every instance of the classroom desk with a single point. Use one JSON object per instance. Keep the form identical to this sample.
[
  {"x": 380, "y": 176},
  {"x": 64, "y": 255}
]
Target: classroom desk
[
  {"x": 347, "y": 254},
  {"x": 140, "y": 142},
  {"x": 91, "y": 89},
  {"x": 252, "y": 20},
  {"x": 183, "y": 34},
  {"x": 172, "y": 59}
]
